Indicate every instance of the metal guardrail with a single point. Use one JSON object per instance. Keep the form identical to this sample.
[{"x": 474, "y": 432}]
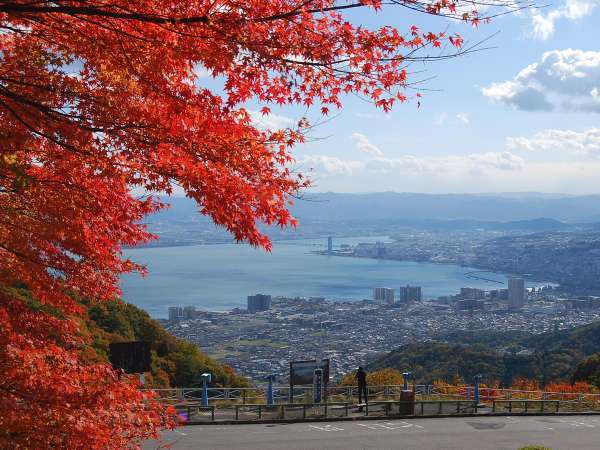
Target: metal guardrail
[
  {"x": 490, "y": 394},
  {"x": 221, "y": 397},
  {"x": 525, "y": 405},
  {"x": 281, "y": 394},
  {"x": 196, "y": 413},
  {"x": 192, "y": 410},
  {"x": 425, "y": 407},
  {"x": 292, "y": 410}
]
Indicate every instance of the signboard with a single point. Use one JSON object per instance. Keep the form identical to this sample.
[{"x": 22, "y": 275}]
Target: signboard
[
  {"x": 317, "y": 385},
  {"x": 302, "y": 374},
  {"x": 132, "y": 357}
]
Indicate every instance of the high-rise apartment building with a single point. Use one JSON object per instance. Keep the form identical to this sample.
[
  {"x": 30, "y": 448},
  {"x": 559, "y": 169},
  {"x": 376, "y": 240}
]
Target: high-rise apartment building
[
  {"x": 175, "y": 313},
  {"x": 499, "y": 294},
  {"x": 471, "y": 293},
  {"x": 259, "y": 302},
  {"x": 516, "y": 293},
  {"x": 189, "y": 312},
  {"x": 410, "y": 294},
  {"x": 383, "y": 294}
]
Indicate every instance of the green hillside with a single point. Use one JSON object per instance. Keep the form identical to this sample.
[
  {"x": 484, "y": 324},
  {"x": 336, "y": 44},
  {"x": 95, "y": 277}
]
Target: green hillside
[
  {"x": 175, "y": 363},
  {"x": 584, "y": 340},
  {"x": 588, "y": 370},
  {"x": 546, "y": 357}
]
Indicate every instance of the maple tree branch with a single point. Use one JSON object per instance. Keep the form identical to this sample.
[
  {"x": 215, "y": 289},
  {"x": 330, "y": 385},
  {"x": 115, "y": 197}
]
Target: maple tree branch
[
  {"x": 419, "y": 6},
  {"x": 10, "y": 7},
  {"x": 72, "y": 119},
  {"x": 296, "y": 12}
]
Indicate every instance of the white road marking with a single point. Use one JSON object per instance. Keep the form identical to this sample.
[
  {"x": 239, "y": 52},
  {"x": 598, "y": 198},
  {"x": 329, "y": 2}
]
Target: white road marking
[
  {"x": 390, "y": 425},
  {"x": 402, "y": 424},
  {"x": 326, "y": 428},
  {"x": 578, "y": 424},
  {"x": 369, "y": 426}
]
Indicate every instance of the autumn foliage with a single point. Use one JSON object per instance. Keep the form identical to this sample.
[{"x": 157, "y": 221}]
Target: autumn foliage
[
  {"x": 102, "y": 106},
  {"x": 520, "y": 388}
]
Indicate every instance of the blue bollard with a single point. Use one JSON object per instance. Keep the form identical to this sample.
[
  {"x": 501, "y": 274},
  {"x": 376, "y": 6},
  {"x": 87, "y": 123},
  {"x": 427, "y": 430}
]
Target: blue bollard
[
  {"x": 206, "y": 377},
  {"x": 270, "y": 399},
  {"x": 476, "y": 389}
]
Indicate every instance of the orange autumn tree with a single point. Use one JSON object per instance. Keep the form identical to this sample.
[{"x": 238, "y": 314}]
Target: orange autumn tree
[{"x": 101, "y": 100}]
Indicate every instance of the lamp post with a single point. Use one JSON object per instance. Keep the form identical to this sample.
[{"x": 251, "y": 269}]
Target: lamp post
[
  {"x": 270, "y": 399},
  {"x": 477, "y": 379},
  {"x": 406, "y": 376},
  {"x": 206, "y": 377}
]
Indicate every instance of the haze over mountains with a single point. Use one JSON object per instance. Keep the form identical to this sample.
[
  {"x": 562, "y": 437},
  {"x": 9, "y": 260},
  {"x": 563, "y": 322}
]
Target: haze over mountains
[
  {"x": 482, "y": 207},
  {"x": 531, "y": 211}
]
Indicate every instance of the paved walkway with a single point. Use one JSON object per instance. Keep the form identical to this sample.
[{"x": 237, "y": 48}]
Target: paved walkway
[{"x": 479, "y": 433}]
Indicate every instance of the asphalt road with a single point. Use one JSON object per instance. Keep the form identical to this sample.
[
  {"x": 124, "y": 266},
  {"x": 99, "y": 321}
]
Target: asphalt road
[{"x": 481, "y": 433}]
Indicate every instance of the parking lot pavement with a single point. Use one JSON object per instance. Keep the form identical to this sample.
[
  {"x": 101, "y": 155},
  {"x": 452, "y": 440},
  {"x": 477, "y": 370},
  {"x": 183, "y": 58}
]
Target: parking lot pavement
[{"x": 481, "y": 433}]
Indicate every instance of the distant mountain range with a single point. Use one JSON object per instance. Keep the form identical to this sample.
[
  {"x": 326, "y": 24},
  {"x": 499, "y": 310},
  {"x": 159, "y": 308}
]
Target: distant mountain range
[
  {"x": 515, "y": 211},
  {"x": 477, "y": 207}
]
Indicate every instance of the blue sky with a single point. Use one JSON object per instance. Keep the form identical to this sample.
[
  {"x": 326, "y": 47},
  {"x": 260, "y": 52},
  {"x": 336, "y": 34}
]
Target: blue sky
[{"x": 523, "y": 116}]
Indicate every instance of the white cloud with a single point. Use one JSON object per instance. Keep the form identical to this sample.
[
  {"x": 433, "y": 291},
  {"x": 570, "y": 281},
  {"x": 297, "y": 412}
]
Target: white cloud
[
  {"x": 270, "y": 121},
  {"x": 543, "y": 25},
  {"x": 562, "y": 79},
  {"x": 497, "y": 160},
  {"x": 474, "y": 162},
  {"x": 463, "y": 117},
  {"x": 453, "y": 165},
  {"x": 363, "y": 144},
  {"x": 441, "y": 118},
  {"x": 586, "y": 143},
  {"x": 405, "y": 163},
  {"x": 329, "y": 165}
]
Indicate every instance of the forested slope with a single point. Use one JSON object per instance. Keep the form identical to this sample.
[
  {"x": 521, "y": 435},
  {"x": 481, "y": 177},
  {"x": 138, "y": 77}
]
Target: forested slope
[{"x": 547, "y": 357}]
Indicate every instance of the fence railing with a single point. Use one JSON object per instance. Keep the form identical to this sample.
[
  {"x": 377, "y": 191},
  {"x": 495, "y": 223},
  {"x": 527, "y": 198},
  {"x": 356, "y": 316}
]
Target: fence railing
[
  {"x": 292, "y": 411},
  {"x": 282, "y": 394},
  {"x": 526, "y": 406},
  {"x": 191, "y": 410},
  {"x": 490, "y": 394},
  {"x": 195, "y": 413},
  {"x": 420, "y": 407}
]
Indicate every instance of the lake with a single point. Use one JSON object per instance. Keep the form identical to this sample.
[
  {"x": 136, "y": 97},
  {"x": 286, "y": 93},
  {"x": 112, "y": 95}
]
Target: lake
[{"x": 220, "y": 277}]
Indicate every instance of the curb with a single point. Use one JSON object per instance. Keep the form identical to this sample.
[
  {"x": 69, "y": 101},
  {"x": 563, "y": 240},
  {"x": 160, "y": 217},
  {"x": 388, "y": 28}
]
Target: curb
[{"x": 396, "y": 417}]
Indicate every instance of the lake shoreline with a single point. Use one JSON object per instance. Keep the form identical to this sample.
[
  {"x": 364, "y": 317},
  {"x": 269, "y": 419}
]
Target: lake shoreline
[{"x": 219, "y": 277}]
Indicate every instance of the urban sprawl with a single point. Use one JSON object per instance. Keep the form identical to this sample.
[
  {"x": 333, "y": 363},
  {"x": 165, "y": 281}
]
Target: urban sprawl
[{"x": 272, "y": 331}]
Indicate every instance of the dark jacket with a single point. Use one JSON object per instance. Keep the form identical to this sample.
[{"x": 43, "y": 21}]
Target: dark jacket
[{"x": 361, "y": 377}]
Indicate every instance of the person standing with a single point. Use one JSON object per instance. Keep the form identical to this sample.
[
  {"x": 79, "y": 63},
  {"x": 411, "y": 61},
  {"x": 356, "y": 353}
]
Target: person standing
[{"x": 361, "y": 378}]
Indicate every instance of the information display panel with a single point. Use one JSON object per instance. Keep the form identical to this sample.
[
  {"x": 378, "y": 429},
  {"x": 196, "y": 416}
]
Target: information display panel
[
  {"x": 302, "y": 374},
  {"x": 132, "y": 357}
]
